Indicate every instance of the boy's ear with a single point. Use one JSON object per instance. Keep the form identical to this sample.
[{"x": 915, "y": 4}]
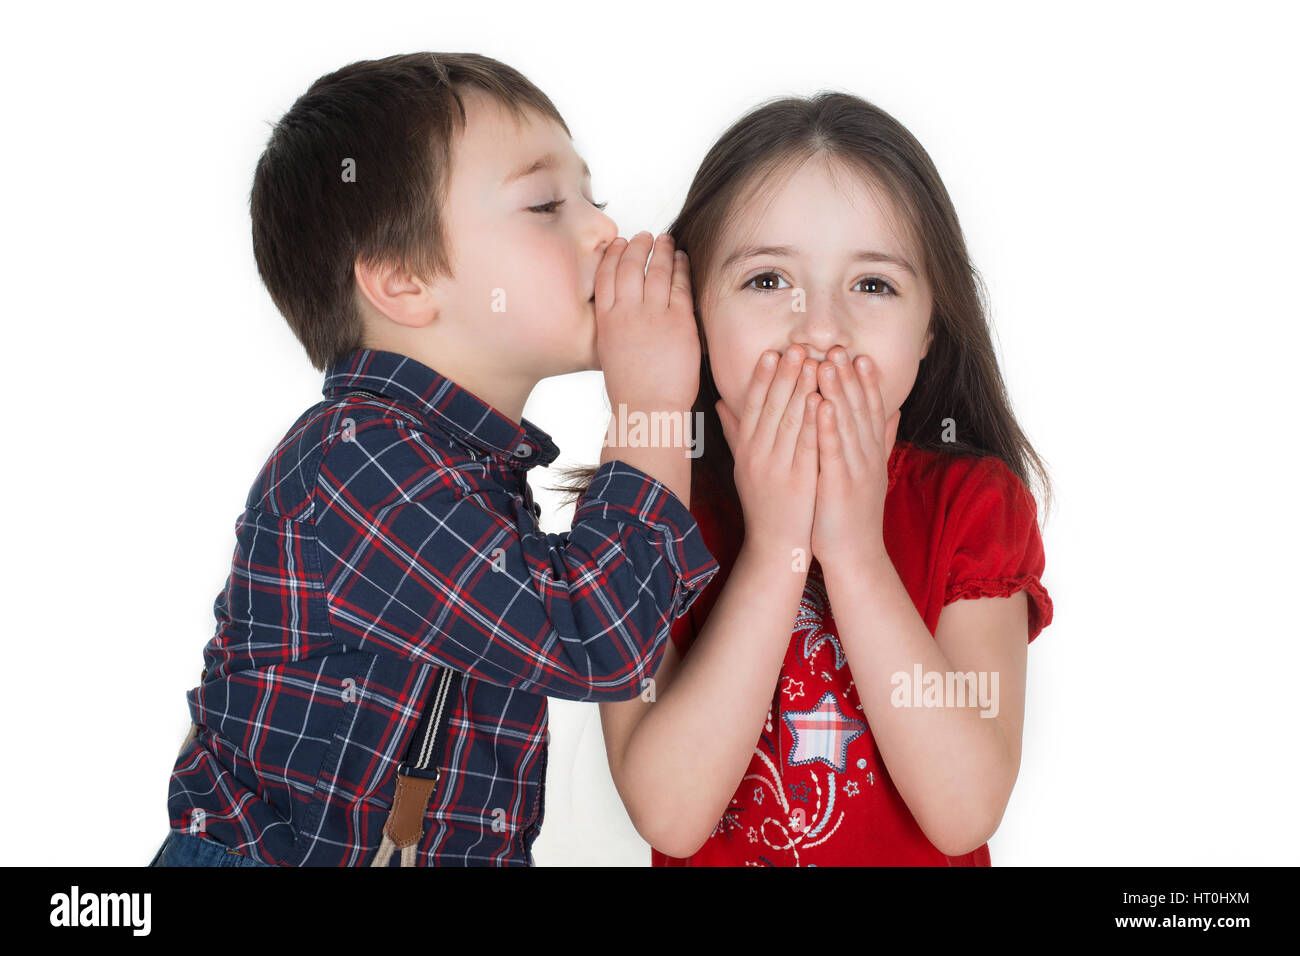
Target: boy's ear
[{"x": 399, "y": 296}]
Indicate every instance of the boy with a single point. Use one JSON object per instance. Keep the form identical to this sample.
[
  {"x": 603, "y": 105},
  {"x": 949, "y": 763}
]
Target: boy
[{"x": 392, "y": 603}]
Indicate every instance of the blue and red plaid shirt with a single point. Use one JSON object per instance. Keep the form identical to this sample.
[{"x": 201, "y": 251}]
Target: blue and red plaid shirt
[{"x": 389, "y": 535}]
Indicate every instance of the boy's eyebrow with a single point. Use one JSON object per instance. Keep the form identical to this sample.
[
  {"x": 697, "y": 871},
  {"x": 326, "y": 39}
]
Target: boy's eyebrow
[
  {"x": 549, "y": 161},
  {"x": 862, "y": 255}
]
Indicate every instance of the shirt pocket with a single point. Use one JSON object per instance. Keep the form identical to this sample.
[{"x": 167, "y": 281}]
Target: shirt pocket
[{"x": 334, "y": 691}]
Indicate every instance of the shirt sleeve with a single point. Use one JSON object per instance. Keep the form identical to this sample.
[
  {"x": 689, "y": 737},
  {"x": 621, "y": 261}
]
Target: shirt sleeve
[
  {"x": 425, "y": 558},
  {"x": 995, "y": 548}
]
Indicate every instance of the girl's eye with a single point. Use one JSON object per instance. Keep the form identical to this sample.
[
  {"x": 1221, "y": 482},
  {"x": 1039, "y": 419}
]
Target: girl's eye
[
  {"x": 877, "y": 281},
  {"x": 763, "y": 277},
  {"x": 878, "y": 285}
]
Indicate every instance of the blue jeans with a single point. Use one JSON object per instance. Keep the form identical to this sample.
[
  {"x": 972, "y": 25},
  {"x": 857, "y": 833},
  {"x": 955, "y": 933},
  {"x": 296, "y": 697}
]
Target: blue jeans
[{"x": 187, "y": 849}]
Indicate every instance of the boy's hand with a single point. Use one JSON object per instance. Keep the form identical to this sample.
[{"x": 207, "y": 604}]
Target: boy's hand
[
  {"x": 854, "y": 443},
  {"x": 646, "y": 337}
]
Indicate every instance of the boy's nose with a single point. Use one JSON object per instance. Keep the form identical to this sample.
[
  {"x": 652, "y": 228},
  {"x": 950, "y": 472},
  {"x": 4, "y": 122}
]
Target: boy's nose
[{"x": 606, "y": 232}]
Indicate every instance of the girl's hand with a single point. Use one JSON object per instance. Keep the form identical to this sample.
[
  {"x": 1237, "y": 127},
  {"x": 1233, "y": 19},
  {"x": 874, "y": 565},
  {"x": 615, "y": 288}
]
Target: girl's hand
[
  {"x": 646, "y": 338},
  {"x": 774, "y": 444},
  {"x": 853, "y": 443}
]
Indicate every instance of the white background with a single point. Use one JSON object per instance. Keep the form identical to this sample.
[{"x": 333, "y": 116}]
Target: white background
[{"x": 1126, "y": 178}]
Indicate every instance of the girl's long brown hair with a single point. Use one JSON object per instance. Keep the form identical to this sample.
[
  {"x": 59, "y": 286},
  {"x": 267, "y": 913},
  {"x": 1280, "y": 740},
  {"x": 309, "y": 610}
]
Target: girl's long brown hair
[{"x": 957, "y": 379}]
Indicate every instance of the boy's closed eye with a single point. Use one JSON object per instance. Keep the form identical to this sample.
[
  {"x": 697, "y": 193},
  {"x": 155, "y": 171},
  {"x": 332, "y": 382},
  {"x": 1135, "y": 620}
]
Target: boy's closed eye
[{"x": 549, "y": 207}]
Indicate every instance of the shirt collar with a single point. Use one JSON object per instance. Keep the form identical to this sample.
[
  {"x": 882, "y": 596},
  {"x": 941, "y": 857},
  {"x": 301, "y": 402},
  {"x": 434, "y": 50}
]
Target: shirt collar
[{"x": 442, "y": 403}]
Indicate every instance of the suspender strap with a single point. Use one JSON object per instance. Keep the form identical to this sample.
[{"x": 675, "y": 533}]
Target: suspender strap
[{"x": 419, "y": 773}]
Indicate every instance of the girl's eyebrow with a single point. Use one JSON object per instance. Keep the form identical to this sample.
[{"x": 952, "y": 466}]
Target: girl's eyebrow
[{"x": 862, "y": 255}]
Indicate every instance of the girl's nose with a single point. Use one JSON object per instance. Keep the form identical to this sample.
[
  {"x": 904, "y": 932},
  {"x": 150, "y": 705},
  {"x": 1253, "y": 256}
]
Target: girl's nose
[{"x": 819, "y": 321}]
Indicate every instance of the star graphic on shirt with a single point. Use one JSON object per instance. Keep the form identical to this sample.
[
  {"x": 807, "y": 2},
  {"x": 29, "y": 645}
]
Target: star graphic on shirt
[
  {"x": 790, "y": 684},
  {"x": 823, "y": 733},
  {"x": 810, "y": 620}
]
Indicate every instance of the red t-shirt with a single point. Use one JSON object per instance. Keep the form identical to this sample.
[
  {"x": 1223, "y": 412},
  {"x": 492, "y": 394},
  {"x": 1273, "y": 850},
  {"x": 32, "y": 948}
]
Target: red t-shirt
[{"x": 816, "y": 792}]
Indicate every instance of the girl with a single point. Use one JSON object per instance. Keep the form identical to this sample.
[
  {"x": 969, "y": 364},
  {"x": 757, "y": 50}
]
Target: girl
[{"x": 863, "y": 478}]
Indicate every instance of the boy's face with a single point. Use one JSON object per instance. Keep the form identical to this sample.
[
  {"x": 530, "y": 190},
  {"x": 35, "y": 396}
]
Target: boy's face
[
  {"x": 818, "y": 221},
  {"x": 524, "y": 266}
]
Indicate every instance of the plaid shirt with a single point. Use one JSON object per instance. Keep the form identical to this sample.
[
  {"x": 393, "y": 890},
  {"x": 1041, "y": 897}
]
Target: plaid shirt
[{"x": 387, "y": 536}]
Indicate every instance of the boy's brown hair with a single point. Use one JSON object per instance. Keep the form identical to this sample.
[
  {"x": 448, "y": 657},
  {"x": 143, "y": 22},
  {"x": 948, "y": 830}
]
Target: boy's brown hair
[{"x": 394, "y": 119}]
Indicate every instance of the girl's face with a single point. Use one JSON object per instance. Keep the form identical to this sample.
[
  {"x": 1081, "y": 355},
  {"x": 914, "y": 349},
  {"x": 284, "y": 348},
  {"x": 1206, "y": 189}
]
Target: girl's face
[{"x": 820, "y": 266}]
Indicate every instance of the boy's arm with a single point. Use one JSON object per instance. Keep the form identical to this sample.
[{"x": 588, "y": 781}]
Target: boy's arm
[
  {"x": 668, "y": 462},
  {"x": 424, "y": 559}
]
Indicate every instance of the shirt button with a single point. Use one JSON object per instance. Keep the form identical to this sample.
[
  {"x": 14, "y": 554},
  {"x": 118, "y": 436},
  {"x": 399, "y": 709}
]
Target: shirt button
[{"x": 523, "y": 451}]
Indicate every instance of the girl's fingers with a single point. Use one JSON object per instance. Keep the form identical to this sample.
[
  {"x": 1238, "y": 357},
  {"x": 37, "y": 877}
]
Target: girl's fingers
[
  {"x": 778, "y": 397},
  {"x": 875, "y": 402},
  {"x": 629, "y": 281},
  {"x": 659, "y": 275},
  {"x": 792, "y": 420},
  {"x": 830, "y": 448},
  {"x": 764, "y": 369},
  {"x": 859, "y": 411},
  {"x": 845, "y": 426},
  {"x": 805, "y": 449},
  {"x": 605, "y": 273}
]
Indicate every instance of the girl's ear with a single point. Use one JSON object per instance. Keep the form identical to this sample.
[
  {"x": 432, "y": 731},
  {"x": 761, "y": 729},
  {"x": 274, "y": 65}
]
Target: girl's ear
[{"x": 925, "y": 349}]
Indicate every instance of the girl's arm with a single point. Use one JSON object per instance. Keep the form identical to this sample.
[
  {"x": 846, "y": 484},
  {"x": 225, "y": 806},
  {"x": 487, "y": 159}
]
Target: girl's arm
[
  {"x": 677, "y": 760},
  {"x": 954, "y": 768}
]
